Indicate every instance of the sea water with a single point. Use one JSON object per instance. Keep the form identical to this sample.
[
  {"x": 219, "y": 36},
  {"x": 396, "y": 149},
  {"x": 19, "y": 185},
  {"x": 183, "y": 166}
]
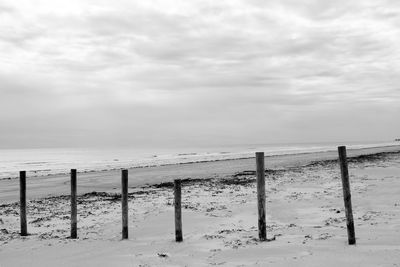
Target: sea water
[{"x": 48, "y": 161}]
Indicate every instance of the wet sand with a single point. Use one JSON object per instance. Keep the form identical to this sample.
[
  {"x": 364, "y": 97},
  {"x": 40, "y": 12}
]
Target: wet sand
[{"x": 109, "y": 181}]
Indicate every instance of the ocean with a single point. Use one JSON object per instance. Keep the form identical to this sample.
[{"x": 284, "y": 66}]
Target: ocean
[{"x": 49, "y": 161}]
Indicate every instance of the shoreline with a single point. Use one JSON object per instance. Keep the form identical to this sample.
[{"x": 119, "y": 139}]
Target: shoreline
[
  {"x": 109, "y": 181},
  {"x": 33, "y": 174}
]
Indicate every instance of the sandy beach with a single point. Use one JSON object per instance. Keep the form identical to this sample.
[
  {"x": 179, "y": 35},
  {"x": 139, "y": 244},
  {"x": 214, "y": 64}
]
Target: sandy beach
[
  {"x": 305, "y": 215},
  {"x": 221, "y": 120},
  {"x": 110, "y": 181}
]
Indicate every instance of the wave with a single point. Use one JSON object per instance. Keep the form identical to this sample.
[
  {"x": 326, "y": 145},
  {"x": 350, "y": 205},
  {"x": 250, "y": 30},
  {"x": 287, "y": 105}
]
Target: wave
[
  {"x": 187, "y": 154},
  {"x": 62, "y": 165}
]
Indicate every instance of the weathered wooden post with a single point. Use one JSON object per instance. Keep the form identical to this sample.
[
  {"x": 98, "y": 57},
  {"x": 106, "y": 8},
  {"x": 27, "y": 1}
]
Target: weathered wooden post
[
  {"x": 346, "y": 194},
  {"x": 262, "y": 230},
  {"x": 22, "y": 202},
  {"x": 178, "y": 210},
  {"x": 74, "y": 213},
  {"x": 124, "y": 200}
]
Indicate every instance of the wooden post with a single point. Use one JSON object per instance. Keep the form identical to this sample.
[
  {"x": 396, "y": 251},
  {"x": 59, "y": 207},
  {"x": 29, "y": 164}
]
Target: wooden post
[
  {"x": 346, "y": 194},
  {"x": 178, "y": 210},
  {"x": 262, "y": 230},
  {"x": 74, "y": 214},
  {"x": 22, "y": 202},
  {"x": 124, "y": 200}
]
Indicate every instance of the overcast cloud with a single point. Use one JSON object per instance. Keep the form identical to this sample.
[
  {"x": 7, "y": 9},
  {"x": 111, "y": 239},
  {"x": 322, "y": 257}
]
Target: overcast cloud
[{"x": 173, "y": 73}]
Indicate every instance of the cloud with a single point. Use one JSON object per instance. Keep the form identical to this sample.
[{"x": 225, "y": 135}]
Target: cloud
[{"x": 196, "y": 66}]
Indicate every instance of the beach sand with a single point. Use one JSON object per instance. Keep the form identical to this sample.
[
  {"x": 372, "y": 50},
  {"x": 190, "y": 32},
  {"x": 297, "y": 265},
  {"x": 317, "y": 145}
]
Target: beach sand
[{"x": 305, "y": 216}]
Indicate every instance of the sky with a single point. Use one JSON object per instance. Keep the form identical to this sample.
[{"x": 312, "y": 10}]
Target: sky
[{"x": 168, "y": 73}]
